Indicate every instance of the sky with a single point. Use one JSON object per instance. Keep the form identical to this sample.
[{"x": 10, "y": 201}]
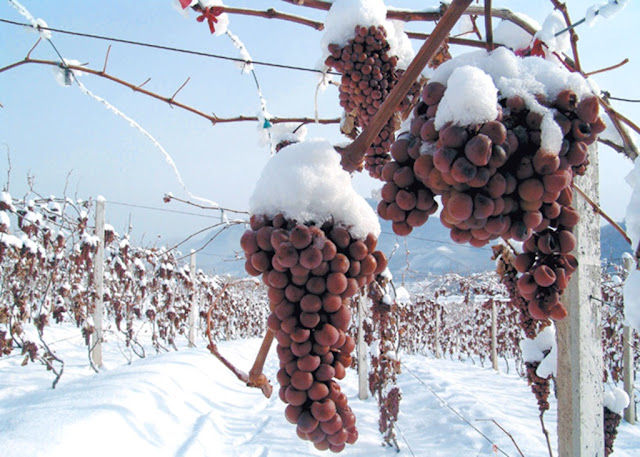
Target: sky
[{"x": 69, "y": 144}]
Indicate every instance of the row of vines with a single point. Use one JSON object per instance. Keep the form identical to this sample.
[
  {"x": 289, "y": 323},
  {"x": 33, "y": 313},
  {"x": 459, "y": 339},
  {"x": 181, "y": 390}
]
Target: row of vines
[
  {"x": 47, "y": 251},
  {"x": 46, "y": 265}
]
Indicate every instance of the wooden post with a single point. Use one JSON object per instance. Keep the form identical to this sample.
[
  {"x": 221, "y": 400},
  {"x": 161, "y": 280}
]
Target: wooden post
[
  {"x": 98, "y": 280},
  {"x": 437, "y": 335},
  {"x": 494, "y": 335},
  {"x": 628, "y": 373},
  {"x": 193, "y": 312},
  {"x": 579, "y": 376},
  {"x": 363, "y": 365}
]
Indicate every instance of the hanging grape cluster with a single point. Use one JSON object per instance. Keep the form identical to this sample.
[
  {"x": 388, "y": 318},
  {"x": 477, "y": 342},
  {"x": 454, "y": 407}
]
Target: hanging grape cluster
[
  {"x": 611, "y": 423},
  {"x": 541, "y": 387},
  {"x": 310, "y": 272},
  {"x": 369, "y": 73},
  {"x": 495, "y": 180}
]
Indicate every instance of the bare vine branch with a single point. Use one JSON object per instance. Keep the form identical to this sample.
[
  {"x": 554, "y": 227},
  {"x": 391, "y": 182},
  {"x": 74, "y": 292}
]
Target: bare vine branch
[{"x": 212, "y": 118}]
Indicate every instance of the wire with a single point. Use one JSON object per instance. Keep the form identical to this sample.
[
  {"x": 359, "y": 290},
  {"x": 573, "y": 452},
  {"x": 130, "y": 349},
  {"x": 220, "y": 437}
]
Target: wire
[
  {"x": 169, "y": 48},
  {"x": 404, "y": 439},
  {"x": 444, "y": 403},
  {"x": 432, "y": 240},
  {"x": 154, "y": 208}
]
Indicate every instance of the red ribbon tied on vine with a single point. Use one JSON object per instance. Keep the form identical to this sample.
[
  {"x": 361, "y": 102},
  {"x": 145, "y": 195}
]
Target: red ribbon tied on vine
[
  {"x": 185, "y": 3},
  {"x": 211, "y": 15}
]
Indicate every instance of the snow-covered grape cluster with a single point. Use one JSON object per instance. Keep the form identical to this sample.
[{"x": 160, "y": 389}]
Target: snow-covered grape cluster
[
  {"x": 611, "y": 423},
  {"x": 310, "y": 272},
  {"x": 369, "y": 73},
  {"x": 541, "y": 387},
  {"x": 497, "y": 180}
]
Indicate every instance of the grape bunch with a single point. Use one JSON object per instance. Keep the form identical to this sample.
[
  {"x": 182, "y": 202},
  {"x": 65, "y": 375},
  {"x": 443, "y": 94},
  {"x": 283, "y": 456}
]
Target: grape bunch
[
  {"x": 310, "y": 272},
  {"x": 611, "y": 423},
  {"x": 541, "y": 387},
  {"x": 496, "y": 180},
  {"x": 369, "y": 73}
]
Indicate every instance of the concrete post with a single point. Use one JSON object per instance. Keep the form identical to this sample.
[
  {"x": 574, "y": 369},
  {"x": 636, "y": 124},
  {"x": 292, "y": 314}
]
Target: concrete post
[
  {"x": 579, "y": 377},
  {"x": 98, "y": 279}
]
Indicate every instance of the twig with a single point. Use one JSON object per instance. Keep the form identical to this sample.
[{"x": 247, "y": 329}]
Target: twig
[
  {"x": 106, "y": 59},
  {"x": 270, "y": 14},
  {"x": 630, "y": 148},
  {"x": 146, "y": 81},
  {"x": 506, "y": 432},
  {"x": 179, "y": 89},
  {"x": 34, "y": 46},
  {"x": 213, "y": 348},
  {"x": 562, "y": 7},
  {"x": 604, "y": 215},
  {"x": 612, "y": 145},
  {"x": 546, "y": 434},
  {"x": 352, "y": 155},
  {"x": 612, "y": 67},
  {"x": 450, "y": 40},
  {"x": 487, "y": 25},
  {"x": 217, "y": 208},
  {"x": 213, "y": 119}
]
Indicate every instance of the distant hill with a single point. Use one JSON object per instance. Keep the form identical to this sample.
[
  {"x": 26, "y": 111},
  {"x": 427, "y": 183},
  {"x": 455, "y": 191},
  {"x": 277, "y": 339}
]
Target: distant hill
[{"x": 430, "y": 250}]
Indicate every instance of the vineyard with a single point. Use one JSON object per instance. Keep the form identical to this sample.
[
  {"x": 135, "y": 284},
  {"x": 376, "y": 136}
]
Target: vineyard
[
  {"x": 491, "y": 125},
  {"x": 48, "y": 287}
]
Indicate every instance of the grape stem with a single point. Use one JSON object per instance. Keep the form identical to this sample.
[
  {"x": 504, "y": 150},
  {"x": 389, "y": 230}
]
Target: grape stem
[
  {"x": 256, "y": 377},
  {"x": 353, "y": 154}
]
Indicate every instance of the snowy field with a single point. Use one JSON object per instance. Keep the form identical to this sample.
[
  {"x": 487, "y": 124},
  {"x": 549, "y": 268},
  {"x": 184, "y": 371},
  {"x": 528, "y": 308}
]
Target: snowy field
[{"x": 186, "y": 404}]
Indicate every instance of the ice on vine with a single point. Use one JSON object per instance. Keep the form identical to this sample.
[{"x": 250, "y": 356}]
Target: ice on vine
[
  {"x": 605, "y": 10},
  {"x": 36, "y": 24},
  {"x": 305, "y": 182}
]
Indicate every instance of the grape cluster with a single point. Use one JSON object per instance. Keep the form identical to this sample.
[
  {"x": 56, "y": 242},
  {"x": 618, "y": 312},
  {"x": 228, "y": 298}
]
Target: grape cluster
[
  {"x": 368, "y": 74},
  {"x": 310, "y": 272},
  {"x": 496, "y": 180},
  {"x": 541, "y": 387},
  {"x": 611, "y": 423},
  {"x": 509, "y": 278}
]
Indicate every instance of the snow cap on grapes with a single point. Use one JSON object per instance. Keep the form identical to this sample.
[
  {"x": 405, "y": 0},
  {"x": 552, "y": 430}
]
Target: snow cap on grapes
[
  {"x": 305, "y": 182},
  {"x": 345, "y": 15}
]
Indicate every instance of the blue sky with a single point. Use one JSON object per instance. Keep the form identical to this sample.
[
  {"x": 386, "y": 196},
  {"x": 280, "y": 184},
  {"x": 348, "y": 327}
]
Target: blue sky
[{"x": 52, "y": 132}]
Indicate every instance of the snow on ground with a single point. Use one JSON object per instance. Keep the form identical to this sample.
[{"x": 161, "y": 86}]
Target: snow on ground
[{"x": 185, "y": 404}]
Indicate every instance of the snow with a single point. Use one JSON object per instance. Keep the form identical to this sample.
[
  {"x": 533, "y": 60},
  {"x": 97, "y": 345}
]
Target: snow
[
  {"x": 615, "y": 400},
  {"x": 512, "y": 76},
  {"x": 553, "y": 24},
  {"x": 402, "y": 296},
  {"x": 311, "y": 171},
  {"x": 345, "y": 15},
  {"x": 282, "y": 132},
  {"x": 511, "y": 35},
  {"x": 606, "y": 10},
  {"x": 631, "y": 293},
  {"x": 470, "y": 98},
  {"x": 186, "y": 404},
  {"x": 542, "y": 349},
  {"x": 4, "y": 219},
  {"x": 35, "y": 23}
]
